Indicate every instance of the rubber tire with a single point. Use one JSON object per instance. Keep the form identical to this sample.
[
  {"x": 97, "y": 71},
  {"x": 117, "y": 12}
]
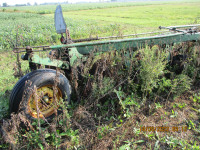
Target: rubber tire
[{"x": 24, "y": 89}]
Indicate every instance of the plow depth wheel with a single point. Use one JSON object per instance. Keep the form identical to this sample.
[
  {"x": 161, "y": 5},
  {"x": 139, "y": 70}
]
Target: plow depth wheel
[
  {"x": 38, "y": 95},
  {"x": 45, "y": 100}
]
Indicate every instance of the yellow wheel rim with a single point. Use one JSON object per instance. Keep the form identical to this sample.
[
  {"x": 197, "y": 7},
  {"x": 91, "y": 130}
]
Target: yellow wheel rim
[{"x": 44, "y": 101}]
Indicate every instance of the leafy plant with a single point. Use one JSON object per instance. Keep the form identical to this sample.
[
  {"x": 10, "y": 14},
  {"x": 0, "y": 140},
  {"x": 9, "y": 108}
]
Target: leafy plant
[
  {"x": 182, "y": 105},
  {"x": 127, "y": 102},
  {"x": 180, "y": 84},
  {"x": 103, "y": 130},
  {"x": 191, "y": 124},
  {"x": 158, "y": 105},
  {"x": 172, "y": 142},
  {"x": 152, "y": 68},
  {"x": 174, "y": 114},
  {"x": 196, "y": 98}
]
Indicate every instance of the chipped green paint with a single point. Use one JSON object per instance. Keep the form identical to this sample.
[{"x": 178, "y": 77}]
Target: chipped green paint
[
  {"x": 103, "y": 46},
  {"x": 49, "y": 62},
  {"x": 81, "y": 50},
  {"x": 74, "y": 55}
]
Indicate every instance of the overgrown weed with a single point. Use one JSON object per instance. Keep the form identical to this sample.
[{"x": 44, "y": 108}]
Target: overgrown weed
[{"x": 114, "y": 102}]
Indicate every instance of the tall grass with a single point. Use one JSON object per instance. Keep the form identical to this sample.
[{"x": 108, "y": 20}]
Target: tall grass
[
  {"x": 23, "y": 29},
  {"x": 34, "y": 29}
]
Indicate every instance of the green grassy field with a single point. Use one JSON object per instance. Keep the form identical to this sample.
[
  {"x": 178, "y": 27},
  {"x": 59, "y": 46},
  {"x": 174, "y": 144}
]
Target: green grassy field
[
  {"x": 35, "y": 29},
  {"x": 46, "y": 9},
  {"x": 149, "y": 17},
  {"x": 114, "y": 122}
]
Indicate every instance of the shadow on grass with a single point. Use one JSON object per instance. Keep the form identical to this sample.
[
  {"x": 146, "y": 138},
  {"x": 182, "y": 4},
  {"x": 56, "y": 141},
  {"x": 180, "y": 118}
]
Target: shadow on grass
[{"x": 4, "y": 104}]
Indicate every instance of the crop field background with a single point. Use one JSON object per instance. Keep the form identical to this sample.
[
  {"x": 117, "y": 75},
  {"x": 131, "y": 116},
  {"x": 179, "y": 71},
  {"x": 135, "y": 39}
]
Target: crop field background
[
  {"x": 114, "y": 121},
  {"x": 35, "y": 29},
  {"x": 46, "y": 9}
]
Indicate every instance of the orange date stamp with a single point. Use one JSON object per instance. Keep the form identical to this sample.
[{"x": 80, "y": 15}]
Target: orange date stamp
[{"x": 163, "y": 129}]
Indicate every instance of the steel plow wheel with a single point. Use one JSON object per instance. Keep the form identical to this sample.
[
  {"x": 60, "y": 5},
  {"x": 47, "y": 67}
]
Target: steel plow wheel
[
  {"x": 37, "y": 94},
  {"x": 44, "y": 101}
]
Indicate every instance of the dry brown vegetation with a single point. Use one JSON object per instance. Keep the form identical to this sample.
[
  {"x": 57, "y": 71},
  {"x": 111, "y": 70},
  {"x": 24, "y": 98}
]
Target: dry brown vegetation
[{"x": 111, "y": 102}]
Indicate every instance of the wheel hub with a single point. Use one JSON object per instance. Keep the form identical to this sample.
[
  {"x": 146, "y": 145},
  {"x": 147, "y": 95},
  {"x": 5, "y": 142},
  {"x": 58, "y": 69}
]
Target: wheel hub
[{"x": 44, "y": 101}]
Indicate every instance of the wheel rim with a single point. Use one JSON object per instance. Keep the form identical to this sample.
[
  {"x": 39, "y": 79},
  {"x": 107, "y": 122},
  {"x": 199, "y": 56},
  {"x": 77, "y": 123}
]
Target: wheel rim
[{"x": 46, "y": 100}]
